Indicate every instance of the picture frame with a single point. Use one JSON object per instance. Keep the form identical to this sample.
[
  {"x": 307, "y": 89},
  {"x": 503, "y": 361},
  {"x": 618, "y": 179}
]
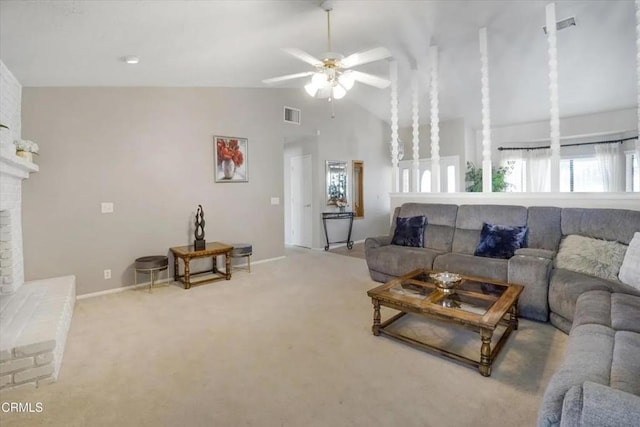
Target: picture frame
[{"x": 230, "y": 159}]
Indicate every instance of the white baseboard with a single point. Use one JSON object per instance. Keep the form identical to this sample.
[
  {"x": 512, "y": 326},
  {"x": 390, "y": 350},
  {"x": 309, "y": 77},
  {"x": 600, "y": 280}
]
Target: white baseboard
[
  {"x": 159, "y": 281},
  {"x": 122, "y": 289}
]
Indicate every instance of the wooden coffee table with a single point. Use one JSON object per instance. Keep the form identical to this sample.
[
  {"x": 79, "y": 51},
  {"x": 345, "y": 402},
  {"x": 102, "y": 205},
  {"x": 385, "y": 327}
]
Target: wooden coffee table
[{"x": 479, "y": 304}]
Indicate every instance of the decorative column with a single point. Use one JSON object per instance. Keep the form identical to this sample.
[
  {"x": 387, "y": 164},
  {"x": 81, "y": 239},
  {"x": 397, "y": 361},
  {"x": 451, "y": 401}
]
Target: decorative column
[
  {"x": 553, "y": 97},
  {"x": 416, "y": 132},
  {"x": 486, "y": 114},
  {"x": 395, "y": 172},
  {"x": 435, "y": 126}
]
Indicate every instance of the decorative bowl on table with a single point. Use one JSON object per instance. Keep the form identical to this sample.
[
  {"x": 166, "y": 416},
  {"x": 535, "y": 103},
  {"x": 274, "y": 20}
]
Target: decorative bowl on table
[{"x": 446, "y": 281}]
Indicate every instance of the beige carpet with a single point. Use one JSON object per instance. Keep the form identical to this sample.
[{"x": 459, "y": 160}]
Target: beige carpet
[
  {"x": 286, "y": 345},
  {"x": 357, "y": 251}
]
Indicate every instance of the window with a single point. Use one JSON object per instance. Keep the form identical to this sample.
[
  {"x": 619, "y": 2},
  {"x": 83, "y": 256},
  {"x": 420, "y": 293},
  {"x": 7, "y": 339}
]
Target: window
[
  {"x": 516, "y": 179},
  {"x": 405, "y": 180},
  {"x": 425, "y": 182},
  {"x": 451, "y": 179},
  {"x": 632, "y": 172},
  {"x": 581, "y": 174}
]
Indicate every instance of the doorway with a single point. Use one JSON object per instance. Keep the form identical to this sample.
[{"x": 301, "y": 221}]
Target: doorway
[{"x": 301, "y": 209}]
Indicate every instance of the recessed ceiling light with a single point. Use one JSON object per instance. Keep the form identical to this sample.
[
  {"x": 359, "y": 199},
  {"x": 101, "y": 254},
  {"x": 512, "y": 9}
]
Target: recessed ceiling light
[{"x": 131, "y": 59}]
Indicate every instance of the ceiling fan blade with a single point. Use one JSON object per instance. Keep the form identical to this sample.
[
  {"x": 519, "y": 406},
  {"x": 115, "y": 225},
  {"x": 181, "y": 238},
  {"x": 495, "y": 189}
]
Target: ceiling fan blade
[
  {"x": 287, "y": 77},
  {"x": 369, "y": 79},
  {"x": 303, "y": 56},
  {"x": 365, "y": 57}
]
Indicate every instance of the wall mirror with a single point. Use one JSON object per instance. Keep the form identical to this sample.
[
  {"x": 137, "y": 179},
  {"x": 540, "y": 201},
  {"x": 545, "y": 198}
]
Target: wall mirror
[
  {"x": 358, "y": 184},
  {"x": 336, "y": 183}
]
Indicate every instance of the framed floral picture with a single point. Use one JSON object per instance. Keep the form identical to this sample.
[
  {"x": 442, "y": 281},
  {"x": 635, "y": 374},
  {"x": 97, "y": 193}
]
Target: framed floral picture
[{"x": 231, "y": 155}]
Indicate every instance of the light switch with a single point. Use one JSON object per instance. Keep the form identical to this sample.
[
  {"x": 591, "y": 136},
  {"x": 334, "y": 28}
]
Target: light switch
[
  {"x": 275, "y": 200},
  {"x": 106, "y": 207}
]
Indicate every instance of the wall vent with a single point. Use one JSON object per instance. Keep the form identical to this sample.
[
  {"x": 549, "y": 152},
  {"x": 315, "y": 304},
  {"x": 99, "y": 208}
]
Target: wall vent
[
  {"x": 292, "y": 115},
  {"x": 561, "y": 25}
]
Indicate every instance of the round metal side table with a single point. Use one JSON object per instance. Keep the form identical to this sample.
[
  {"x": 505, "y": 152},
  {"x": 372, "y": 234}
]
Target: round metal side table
[{"x": 150, "y": 265}]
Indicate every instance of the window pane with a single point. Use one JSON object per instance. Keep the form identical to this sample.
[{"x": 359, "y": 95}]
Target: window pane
[
  {"x": 425, "y": 182},
  {"x": 635, "y": 171},
  {"x": 405, "y": 180},
  {"x": 451, "y": 179},
  {"x": 516, "y": 178},
  {"x": 586, "y": 175},
  {"x": 565, "y": 175}
]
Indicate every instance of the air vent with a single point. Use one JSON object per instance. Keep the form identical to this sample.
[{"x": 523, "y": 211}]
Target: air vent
[
  {"x": 291, "y": 115},
  {"x": 561, "y": 25}
]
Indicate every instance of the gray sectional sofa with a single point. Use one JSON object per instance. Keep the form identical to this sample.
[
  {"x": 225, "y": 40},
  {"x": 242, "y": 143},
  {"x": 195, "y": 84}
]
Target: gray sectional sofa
[{"x": 598, "y": 382}]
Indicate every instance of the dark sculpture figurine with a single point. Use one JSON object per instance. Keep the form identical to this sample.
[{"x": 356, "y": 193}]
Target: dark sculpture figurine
[{"x": 199, "y": 244}]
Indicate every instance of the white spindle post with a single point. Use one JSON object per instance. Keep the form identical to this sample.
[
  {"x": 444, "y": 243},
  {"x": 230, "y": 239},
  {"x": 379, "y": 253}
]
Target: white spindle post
[
  {"x": 435, "y": 126},
  {"x": 395, "y": 172},
  {"x": 638, "y": 73},
  {"x": 416, "y": 132},
  {"x": 486, "y": 114},
  {"x": 553, "y": 97}
]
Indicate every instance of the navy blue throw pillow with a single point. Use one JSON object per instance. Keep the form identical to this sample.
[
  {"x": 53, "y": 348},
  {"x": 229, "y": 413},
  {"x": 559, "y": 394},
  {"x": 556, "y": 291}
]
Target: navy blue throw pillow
[
  {"x": 409, "y": 231},
  {"x": 501, "y": 241}
]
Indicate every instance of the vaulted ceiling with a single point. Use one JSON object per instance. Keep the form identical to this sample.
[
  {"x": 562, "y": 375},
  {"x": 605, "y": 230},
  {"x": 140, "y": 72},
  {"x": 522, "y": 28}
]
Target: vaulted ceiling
[{"x": 237, "y": 44}]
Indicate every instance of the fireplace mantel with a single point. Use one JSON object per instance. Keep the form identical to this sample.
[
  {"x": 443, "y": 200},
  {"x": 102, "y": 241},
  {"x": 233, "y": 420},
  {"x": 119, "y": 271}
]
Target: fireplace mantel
[{"x": 15, "y": 166}]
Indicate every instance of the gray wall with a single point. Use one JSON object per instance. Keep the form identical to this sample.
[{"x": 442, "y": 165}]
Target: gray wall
[
  {"x": 353, "y": 134},
  {"x": 150, "y": 151}
]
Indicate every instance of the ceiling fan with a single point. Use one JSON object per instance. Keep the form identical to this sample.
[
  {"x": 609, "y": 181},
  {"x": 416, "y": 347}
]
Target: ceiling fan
[{"x": 333, "y": 75}]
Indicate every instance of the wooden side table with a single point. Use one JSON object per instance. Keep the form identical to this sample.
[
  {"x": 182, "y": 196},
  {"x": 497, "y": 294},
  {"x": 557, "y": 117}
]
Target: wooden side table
[{"x": 213, "y": 250}]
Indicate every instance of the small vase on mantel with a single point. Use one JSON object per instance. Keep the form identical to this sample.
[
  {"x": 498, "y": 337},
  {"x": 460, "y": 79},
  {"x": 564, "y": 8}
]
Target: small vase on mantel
[{"x": 27, "y": 155}]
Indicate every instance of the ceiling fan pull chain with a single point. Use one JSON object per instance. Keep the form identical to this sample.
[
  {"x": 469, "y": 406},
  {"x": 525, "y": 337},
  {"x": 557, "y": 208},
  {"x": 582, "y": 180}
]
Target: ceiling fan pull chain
[{"x": 329, "y": 30}]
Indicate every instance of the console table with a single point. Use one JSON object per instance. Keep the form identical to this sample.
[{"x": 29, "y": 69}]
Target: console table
[
  {"x": 213, "y": 250},
  {"x": 338, "y": 215}
]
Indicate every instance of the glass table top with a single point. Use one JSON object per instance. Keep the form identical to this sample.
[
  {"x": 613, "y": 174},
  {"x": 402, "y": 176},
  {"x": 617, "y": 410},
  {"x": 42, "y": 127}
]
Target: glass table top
[{"x": 472, "y": 296}]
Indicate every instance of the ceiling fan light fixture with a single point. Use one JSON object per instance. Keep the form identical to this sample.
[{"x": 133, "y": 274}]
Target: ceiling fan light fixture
[
  {"x": 338, "y": 92},
  {"x": 319, "y": 79},
  {"x": 346, "y": 80},
  {"x": 311, "y": 89}
]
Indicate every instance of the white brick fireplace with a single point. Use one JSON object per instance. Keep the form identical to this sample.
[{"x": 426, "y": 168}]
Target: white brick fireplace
[
  {"x": 13, "y": 170},
  {"x": 34, "y": 316}
]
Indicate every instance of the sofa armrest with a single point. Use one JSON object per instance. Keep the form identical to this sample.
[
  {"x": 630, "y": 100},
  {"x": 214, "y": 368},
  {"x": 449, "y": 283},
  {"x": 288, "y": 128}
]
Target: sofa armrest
[
  {"x": 533, "y": 273},
  {"x": 593, "y": 404},
  {"x": 538, "y": 253},
  {"x": 376, "y": 242}
]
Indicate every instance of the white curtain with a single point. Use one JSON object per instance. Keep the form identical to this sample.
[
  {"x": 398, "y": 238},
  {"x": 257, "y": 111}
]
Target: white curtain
[
  {"x": 610, "y": 166},
  {"x": 539, "y": 168},
  {"x": 638, "y": 150},
  {"x": 514, "y": 159}
]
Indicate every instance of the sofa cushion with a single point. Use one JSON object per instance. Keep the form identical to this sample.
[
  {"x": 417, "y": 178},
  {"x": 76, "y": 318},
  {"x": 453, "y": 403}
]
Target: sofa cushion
[
  {"x": 565, "y": 286},
  {"x": 469, "y": 265},
  {"x": 396, "y": 261},
  {"x": 441, "y": 221},
  {"x": 597, "y": 405},
  {"x": 615, "y": 310},
  {"x": 630, "y": 269},
  {"x": 409, "y": 231},
  {"x": 544, "y": 227},
  {"x": 500, "y": 241},
  {"x": 600, "y": 258},
  {"x": 607, "y": 224},
  {"x": 471, "y": 218},
  {"x": 588, "y": 357}
]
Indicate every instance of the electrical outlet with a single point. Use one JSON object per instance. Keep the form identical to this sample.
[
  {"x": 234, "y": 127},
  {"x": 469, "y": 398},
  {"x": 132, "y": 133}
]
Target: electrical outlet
[{"x": 107, "y": 274}]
